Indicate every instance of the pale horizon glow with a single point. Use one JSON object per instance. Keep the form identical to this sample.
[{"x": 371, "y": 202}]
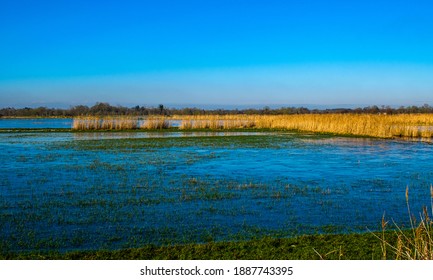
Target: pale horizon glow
[
  {"x": 223, "y": 53},
  {"x": 315, "y": 85}
]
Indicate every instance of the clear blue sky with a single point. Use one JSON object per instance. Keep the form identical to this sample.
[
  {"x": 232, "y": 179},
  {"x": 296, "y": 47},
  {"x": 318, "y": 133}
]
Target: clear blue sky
[{"x": 61, "y": 53}]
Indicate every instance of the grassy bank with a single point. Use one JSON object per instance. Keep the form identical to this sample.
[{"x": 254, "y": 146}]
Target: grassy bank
[{"x": 312, "y": 247}]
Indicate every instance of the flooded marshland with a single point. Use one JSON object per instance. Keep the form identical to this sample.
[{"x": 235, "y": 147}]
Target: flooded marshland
[{"x": 77, "y": 191}]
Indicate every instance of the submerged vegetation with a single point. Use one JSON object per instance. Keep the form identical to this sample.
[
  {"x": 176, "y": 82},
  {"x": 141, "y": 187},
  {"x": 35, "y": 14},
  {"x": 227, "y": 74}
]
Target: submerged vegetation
[
  {"x": 396, "y": 243},
  {"x": 185, "y": 194}
]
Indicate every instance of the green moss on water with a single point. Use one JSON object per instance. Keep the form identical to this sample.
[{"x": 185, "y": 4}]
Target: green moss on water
[
  {"x": 353, "y": 246},
  {"x": 364, "y": 246},
  {"x": 217, "y": 141},
  {"x": 176, "y": 129}
]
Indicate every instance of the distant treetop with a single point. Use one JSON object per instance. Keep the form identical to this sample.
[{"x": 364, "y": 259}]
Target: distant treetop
[{"x": 105, "y": 109}]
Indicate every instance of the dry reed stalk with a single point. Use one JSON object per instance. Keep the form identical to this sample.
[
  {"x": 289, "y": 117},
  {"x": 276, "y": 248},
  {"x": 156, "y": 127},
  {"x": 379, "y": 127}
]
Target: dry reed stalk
[
  {"x": 416, "y": 245},
  {"x": 215, "y": 122},
  {"x": 106, "y": 123},
  {"x": 186, "y": 124},
  {"x": 155, "y": 123},
  {"x": 385, "y": 126},
  {"x": 126, "y": 123},
  {"x": 86, "y": 123}
]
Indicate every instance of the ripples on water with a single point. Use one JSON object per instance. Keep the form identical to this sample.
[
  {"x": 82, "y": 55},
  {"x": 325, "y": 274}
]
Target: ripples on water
[{"x": 68, "y": 191}]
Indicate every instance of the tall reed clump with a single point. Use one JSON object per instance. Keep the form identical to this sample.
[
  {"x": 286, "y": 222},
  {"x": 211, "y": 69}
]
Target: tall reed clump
[
  {"x": 215, "y": 122},
  {"x": 413, "y": 244},
  {"x": 384, "y": 126},
  {"x": 201, "y": 124},
  {"x": 86, "y": 123},
  {"x": 123, "y": 123},
  {"x": 104, "y": 123},
  {"x": 155, "y": 123}
]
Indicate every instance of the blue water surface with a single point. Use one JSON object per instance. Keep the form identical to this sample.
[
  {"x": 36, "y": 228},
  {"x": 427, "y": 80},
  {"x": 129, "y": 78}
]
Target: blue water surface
[
  {"x": 38, "y": 123},
  {"x": 69, "y": 191}
]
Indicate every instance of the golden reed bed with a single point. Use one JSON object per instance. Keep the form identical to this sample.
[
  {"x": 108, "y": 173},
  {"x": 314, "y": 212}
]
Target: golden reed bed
[
  {"x": 385, "y": 126},
  {"x": 118, "y": 123}
]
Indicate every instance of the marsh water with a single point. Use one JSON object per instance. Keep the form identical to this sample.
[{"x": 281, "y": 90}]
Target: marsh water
[
  {"x": 35, "y": 123},
  {"x": 50, "y": 123},
  {"x": 77, "y": 191}
]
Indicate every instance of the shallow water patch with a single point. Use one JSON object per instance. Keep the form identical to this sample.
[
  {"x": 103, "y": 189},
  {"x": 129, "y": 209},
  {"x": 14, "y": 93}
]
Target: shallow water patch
[{"x": 67, "y": 193}]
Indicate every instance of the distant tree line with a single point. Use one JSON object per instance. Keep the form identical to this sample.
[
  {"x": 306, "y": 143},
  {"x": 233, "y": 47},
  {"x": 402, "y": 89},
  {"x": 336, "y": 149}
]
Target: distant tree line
[{"x": 105, "y": 109}]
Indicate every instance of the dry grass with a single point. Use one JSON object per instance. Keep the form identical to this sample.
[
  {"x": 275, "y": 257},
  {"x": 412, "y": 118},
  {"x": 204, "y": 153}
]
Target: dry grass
[
  {"x": 215, "y": 122},
  {"x": 416, "y": 244},
  {"x": 117, "y": 123},
  {"x": 106, "y": 123},
  {"x": 385, "y": 126},
  {"x": 155, "y": 123}
]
